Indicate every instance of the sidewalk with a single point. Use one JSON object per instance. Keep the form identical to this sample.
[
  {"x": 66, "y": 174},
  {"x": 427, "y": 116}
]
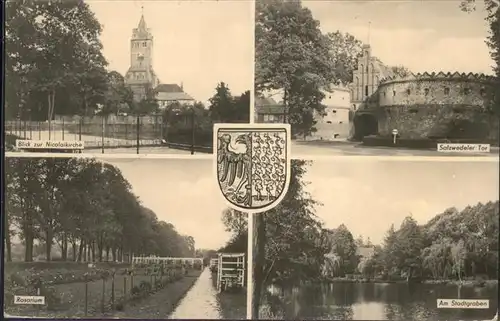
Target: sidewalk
[{"x": 333, "y": 142}]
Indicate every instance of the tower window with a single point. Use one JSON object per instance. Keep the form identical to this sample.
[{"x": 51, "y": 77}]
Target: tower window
[
  {"x": 394, "y": 93},
  {"x": 144, "y": 44},
  {"x": 446, "y": 91},
  {"x": 366, "y": 68},
  {"x": 482, "y": 92},
  {"x": 426, "y": 91},
  {"x": 384, "y": 93},
  {"x": 408, "y": 91},
  {"x": 366, "y": 90},
  {"x": 466, "y": 91}
]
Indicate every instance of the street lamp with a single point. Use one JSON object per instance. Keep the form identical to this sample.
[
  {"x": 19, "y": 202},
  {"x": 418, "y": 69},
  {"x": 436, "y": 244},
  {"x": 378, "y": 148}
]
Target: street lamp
[
  {"x": 138, "y": 129},
  {"x": 192, "y": 130}
]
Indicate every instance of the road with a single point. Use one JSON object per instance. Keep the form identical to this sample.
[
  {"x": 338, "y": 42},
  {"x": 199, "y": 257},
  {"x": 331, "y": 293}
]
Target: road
[
  {"x": 300, "y": 149},
  {"x": 142, "y": 151}
]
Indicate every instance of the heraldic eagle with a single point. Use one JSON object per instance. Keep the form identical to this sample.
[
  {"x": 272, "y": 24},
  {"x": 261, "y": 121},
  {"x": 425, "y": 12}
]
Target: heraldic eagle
[{"x": 235, "y": 165}]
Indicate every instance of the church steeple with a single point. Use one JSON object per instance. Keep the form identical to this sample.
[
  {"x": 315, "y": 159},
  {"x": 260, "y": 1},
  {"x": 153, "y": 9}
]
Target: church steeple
[
  {"x": 142, "y": 31},
  {"x": 140, "y": 74},
  {"x": 142, "y": 23}
]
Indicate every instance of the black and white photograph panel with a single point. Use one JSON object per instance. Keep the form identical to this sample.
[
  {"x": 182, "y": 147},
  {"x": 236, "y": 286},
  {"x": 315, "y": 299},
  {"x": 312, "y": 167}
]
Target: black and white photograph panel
[
  {"x": 380, "y": 240},
  {"x": 121, "y": 238},
  {"x": 414, "y": 78},
  {"x": 125, "y": 76}
]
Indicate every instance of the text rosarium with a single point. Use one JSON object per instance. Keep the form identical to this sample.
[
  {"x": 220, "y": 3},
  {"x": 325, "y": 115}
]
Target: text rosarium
[
  {"x": 462, "y": 304},
  {"x": 464, "y": 148},
  {"x": 49, "y": 144},
  {"x": 25, "y": 299}
]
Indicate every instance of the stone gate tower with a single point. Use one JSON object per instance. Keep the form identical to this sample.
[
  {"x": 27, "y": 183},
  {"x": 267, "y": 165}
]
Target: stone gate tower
[{"x": 141, "y": 76}]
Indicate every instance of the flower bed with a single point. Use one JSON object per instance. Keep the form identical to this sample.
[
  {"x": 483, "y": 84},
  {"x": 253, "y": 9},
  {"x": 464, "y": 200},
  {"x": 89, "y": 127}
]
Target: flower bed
[
  {"x": 100, "y": 294},
  {"x": 57, "y": 276}
]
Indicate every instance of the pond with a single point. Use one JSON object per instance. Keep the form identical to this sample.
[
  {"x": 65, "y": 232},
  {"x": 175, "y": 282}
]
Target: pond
[{"x": 376, "y": 301}]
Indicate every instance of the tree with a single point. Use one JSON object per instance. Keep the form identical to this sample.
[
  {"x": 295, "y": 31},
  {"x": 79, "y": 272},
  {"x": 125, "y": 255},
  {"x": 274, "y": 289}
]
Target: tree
[
  {"x": 342, "y": 244},
  {"x": 359, "y": 241},
  {"x": 149, "y": 104},
  {"x": 53, "y": 58},
  {"x": 242, "y": 108},
  {"x": 221, "y": 104},
  {"x": 408, "y": 247},
  {"x": 46, "y": 202},
  {"x": 390, "y": 242},
  {"x": 292, "y": 55},
  {"x": 493, "y": 40},
  {"x": 289, "y": 240},
  {"x": 119, "y": 97},
  {"x": 235, "y": 222},
  {"x": 401, "y": 71},
  {"x": 345, "y": 50}
]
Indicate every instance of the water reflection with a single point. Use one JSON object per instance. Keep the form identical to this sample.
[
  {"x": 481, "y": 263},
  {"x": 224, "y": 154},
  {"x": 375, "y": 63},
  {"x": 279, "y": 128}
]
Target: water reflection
[
  {"x": 200, "y": 302},
  {"x": 369, "y": 301}
]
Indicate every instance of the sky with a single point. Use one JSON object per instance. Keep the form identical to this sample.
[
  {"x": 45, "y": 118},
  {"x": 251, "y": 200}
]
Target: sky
[
  {"x": 368, "y": 195},
  {"x": 198, "y": 43},
  {"x": 182, "y": 192},
  {"x": 424, "y": 36}
]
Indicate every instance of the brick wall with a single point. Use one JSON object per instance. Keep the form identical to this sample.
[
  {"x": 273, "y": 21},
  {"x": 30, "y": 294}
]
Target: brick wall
[{"x": 437, "y": 121}]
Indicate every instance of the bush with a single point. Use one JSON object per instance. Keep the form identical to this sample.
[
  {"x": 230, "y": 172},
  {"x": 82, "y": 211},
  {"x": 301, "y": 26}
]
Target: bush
[
  {"x": 10, "y": 142},
  {"x": 202, "y": 137},
  {"x": 52, "y": 299}
]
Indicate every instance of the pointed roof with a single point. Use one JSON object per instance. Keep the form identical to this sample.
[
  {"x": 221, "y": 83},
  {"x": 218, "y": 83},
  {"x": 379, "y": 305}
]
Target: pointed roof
[
  {"x": 142, "y": 24},
  {"x": 142, "y": 31}
]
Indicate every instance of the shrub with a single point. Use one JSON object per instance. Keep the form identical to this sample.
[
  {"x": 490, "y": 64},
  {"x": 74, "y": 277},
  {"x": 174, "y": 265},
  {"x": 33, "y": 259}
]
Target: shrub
[
  {"x": 136, "y": 290},
  {"x": 145, "y": 287},
  {"x": 10, "y": 142},
  {"x": 52, "y": 299}
]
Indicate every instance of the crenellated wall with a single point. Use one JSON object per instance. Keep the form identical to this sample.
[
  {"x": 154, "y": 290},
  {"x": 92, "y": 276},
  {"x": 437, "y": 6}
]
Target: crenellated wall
[
  {"x": 441, "y": 89},
  {"x": 433, "y": 105}
]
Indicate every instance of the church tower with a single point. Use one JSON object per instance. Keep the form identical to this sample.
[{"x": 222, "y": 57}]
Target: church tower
[{"x": 141, "y": 76}]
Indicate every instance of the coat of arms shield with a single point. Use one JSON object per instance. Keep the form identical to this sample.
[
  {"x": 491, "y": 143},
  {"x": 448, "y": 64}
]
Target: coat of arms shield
[{"x": 252, "y": 162}]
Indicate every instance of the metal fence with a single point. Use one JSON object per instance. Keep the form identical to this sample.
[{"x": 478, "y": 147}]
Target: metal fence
[
  {"x": 96, "y": 131},
  {"x": 96, "y": 297},
  {"x": 109, "y": 132}
]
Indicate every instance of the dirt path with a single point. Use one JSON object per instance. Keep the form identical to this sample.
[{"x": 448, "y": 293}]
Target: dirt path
[
  {"x": 200, "y": 302},
  {"x": 160, "y": 304}
]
